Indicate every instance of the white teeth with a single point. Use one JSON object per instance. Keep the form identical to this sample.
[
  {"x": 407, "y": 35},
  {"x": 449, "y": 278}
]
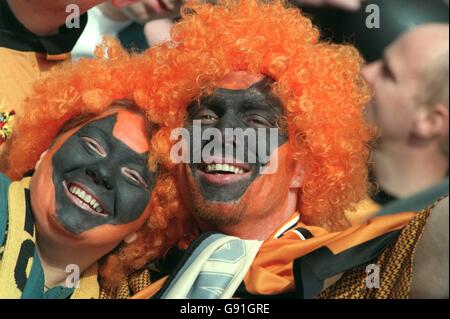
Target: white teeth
[
  {"x": 87, "y": 199},
  {"x": 224, "y": 168}
]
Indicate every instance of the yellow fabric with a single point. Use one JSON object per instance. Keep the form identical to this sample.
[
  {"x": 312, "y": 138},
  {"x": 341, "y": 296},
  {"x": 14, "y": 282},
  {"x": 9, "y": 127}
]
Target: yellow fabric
[
  {"x": 135, "y": 286},
  {"x": 89, "y": 287},
  {"x": 88, "y": 284},
  {"x": 16, "y": 236},
  {"x": 19, "y": 71}
]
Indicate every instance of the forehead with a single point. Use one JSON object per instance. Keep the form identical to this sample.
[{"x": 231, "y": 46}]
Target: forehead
[
  {"x": 412, "y": 51},
  {"x": 258, "y": 96},
  {"x": 126, "y": 126},
  {"x": 240, "y": 80}
]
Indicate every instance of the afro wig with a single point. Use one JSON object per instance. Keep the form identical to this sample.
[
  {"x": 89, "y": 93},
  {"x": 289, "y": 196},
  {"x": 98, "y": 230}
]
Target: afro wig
[
  {"x": 73, "y": 94},
  {"x": 319, "y": 83}
]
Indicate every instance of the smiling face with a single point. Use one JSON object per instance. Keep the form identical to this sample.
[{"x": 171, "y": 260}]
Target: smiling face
[
  {"x": 225, "y": 189},
  {"x": 93, "y": 176}
]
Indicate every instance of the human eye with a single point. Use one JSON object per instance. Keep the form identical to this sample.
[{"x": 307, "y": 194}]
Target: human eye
[
  {"x": 134, "y": 176},
  {"x": 257, "y": 121},
  {"x": 94, "y": 145},
  {"x": 206, "y": 116}
]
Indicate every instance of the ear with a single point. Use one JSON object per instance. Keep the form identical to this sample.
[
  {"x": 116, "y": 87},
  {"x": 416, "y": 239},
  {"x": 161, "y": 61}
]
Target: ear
[
  {"x": 297, "y": 176},
  {"x": 130, "y": 238},
  {"x": 431, "y": 122}
]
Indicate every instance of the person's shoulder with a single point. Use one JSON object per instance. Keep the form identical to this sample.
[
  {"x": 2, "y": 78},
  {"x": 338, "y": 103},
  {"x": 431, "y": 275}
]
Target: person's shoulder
[
  {"x": 419, "y": 201},
  {"x": 15, "y": 37},
  {"x": 4, "y": 180},
  {"x": 4, "y": 185}
]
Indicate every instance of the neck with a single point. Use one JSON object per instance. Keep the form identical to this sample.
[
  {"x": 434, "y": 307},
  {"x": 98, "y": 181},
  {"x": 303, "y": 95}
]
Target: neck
[
  {"x": 261, "y": 227},
  {"x": 403, "y": 170},
  {"x": 44, "y": 17},
  {"x": 56, "y": 257}
]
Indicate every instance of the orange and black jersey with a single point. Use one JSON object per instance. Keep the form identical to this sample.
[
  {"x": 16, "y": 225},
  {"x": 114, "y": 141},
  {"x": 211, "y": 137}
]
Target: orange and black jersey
[{"x": 301, "y": 261}]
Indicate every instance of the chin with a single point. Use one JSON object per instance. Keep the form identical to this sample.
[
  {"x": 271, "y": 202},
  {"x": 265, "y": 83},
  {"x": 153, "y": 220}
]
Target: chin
[{"x": 218, "y": 214}]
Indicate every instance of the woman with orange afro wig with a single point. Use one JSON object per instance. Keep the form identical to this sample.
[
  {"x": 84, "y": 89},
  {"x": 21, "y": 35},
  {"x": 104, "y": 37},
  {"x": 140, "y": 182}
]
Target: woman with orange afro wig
[
  {"x": 67, "y": 131},
  {"x": 260, "y": 64}
]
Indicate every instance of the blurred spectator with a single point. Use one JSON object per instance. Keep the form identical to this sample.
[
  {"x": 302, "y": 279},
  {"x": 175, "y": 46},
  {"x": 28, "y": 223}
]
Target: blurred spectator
[
  {"x": 127, "y": 24},
  {"x": 149, "y": 22},
  {"x": 349, "y": 5},
  {"x": 395, "y": 18},
  {"x": 34, "y": 37},
  {"x": 100, "y": 22},
  {"x": 411, "y": 109}
]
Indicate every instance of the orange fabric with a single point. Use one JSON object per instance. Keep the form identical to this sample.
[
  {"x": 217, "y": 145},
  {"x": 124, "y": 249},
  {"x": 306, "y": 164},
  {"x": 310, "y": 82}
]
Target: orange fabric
[
  {"x": 57, "y": 57},
  {"x": 272, "y": 269}
]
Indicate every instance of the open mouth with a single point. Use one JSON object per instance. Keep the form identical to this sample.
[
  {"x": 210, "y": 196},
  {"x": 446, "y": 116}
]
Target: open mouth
[
  {"x": 84, "y": 199},
  {"x": 224, "y": 172}
]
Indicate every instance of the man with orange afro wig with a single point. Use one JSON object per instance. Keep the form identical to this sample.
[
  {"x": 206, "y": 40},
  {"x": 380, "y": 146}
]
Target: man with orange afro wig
[
  {"x": 274, "y": 225},
  {"x": 84, "y": 180}
]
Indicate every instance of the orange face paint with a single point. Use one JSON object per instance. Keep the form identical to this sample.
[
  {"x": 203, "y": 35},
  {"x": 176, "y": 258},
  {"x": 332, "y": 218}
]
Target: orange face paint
[{"x": 129, "y": 129}]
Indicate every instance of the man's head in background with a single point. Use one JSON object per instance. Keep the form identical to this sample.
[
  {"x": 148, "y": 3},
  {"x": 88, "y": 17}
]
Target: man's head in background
[
  {"x": 410, "y": 87},
  {"x": 360, "y": 27}
]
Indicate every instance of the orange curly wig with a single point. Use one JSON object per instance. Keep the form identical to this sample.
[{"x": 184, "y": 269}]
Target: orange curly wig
[
  {"x": 84, "y": 90},
  {"x": 319, "y": 84}
]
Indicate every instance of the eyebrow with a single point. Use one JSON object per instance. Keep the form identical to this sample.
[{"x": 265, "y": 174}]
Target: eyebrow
[{"x": 92, "y": 128}]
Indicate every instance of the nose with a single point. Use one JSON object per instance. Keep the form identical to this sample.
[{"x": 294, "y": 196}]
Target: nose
[
  {"x": 227, "y": 125},
  {"x": 101, "y": 175}
]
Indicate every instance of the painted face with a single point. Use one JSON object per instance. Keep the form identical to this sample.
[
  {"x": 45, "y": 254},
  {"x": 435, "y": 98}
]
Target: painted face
[
  {"x": 225, "y": 189},
  {"x": 95, "y": 175}
]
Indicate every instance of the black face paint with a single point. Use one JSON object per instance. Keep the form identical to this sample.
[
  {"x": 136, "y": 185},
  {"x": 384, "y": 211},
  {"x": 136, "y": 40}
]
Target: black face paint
[
  {"x": 252, "y": 108},
  {"x": 93, "y": 166}
]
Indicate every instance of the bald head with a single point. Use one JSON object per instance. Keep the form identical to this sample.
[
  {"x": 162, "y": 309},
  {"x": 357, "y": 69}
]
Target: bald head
[
  {"x": 411, "y": 77},
  {"x": 420, "y": 46}
]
